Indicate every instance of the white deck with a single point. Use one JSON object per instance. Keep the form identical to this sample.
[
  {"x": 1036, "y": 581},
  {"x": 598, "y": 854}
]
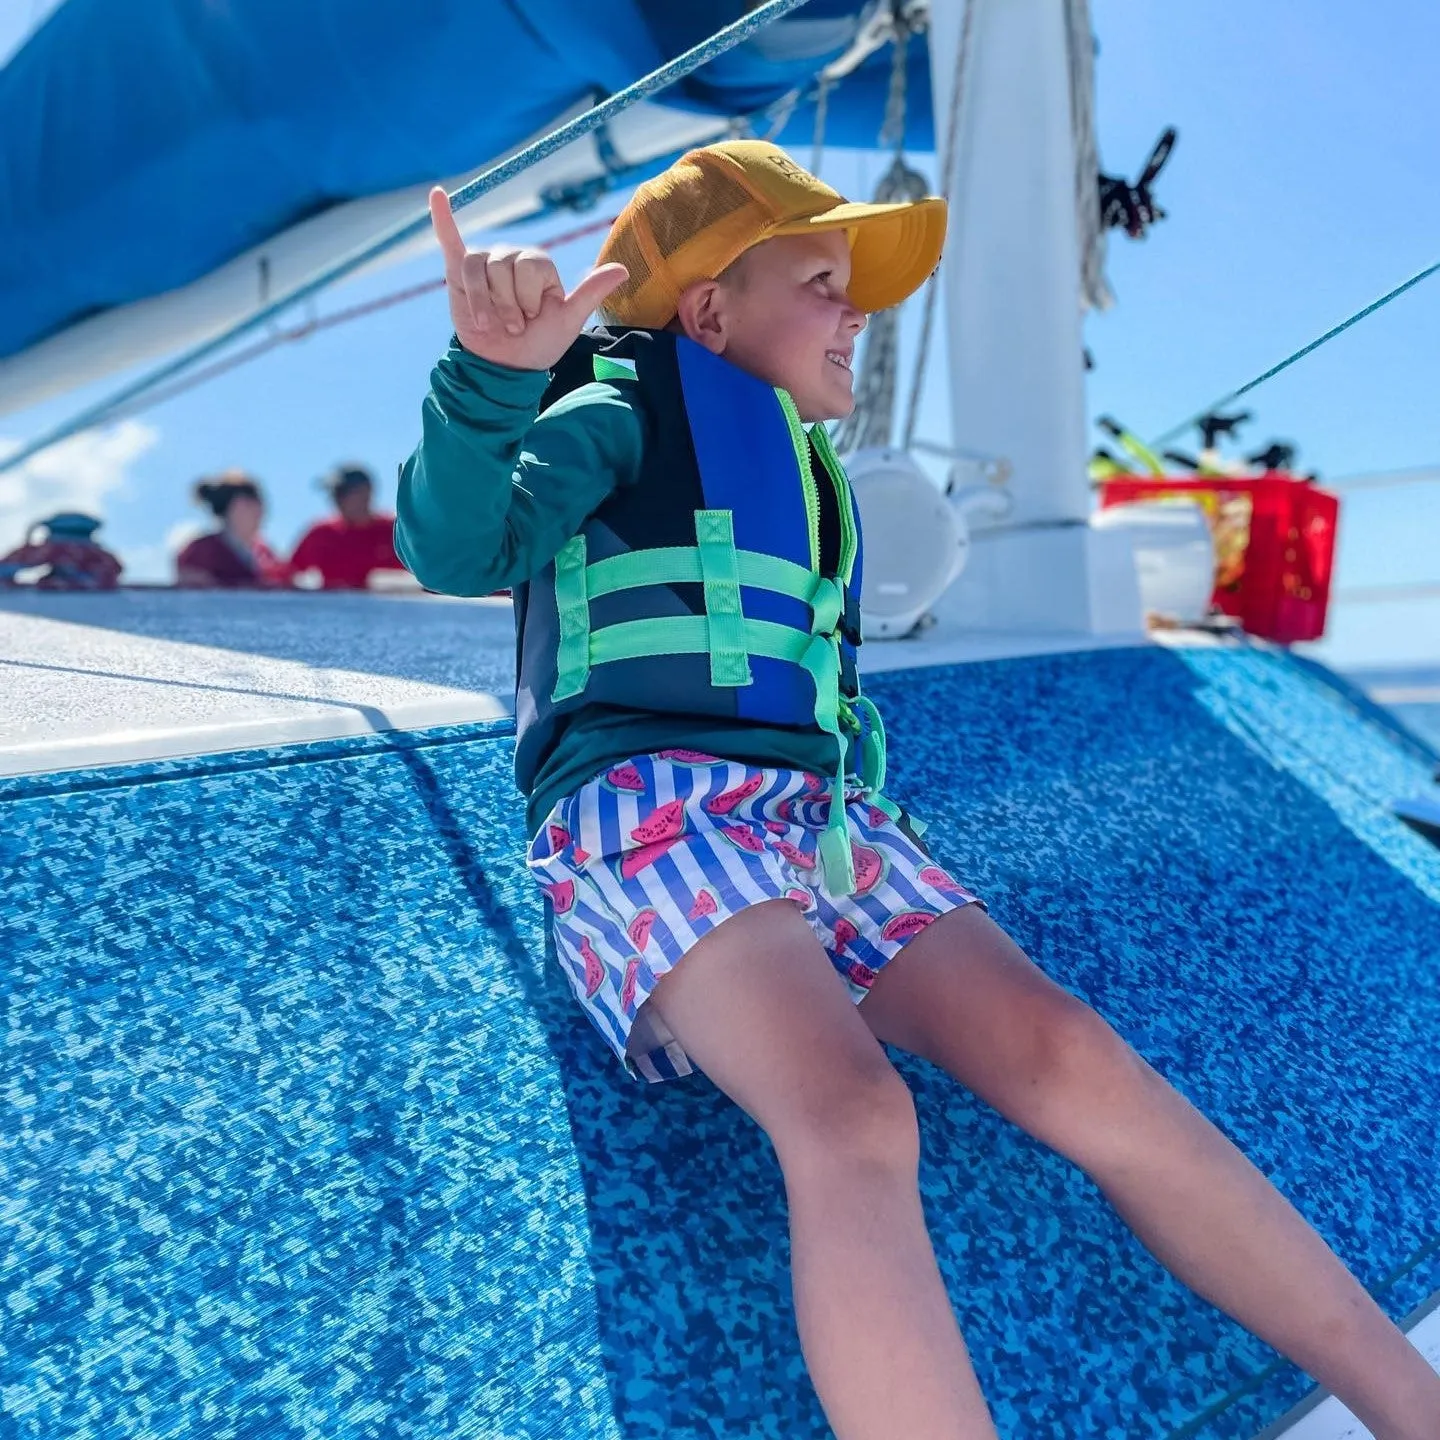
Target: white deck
[
  {"x": 135, "y": 675},
  {"x": 141, "y": 674},
  {"x": 1325, "y": 1418}
]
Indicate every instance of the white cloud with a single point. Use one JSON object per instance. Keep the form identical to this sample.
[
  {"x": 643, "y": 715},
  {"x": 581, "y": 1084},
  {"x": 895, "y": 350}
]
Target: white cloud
[{"x": 76, "y": 474}]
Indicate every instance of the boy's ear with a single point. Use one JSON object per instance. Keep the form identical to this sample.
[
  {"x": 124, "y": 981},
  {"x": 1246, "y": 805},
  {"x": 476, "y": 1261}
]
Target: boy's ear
[{"x": 701, "y": 314}]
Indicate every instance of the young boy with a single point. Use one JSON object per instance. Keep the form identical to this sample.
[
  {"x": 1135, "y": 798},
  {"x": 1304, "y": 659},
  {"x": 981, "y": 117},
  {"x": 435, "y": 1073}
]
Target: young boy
[{"x": 686, "y": 565}]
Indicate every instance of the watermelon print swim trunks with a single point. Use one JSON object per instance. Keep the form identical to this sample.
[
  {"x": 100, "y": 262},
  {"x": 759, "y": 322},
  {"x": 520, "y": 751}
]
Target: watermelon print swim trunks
[{"x": 644, "y": 860}]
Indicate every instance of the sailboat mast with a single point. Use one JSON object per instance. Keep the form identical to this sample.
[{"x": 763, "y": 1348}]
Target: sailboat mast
[
  {"x": 1011, "y": 274},
  {"x": 1011, "y": 283}
]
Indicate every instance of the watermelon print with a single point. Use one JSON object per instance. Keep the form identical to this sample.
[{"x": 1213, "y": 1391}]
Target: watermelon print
[
  {"x": 935, "y": 876},
  {"x": 625, "y": 780},
  {"x": 861, "y": 975},
  {"x": 627, "y": 987},
  {"x": 562, "y": 896},
  {"x": 622, "y": 920},
  {"x": 664, "y": 823},
  {"x": 724, "y": 803},
  {"x": 794, "y": 854},
  {"x": 640, "y": 925},
  {"x": 743, "y": 839},
  {"x": 634, "y": 861},
  {"x": 871, "y": 867},
  {"x": 704, "y": 904},
  {"x": 907, "y": 924},
  {"x": 594, "y": 968}
]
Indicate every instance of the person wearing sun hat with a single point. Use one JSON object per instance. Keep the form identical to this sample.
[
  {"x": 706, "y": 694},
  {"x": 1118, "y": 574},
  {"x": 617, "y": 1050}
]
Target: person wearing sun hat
[
  {"x": 730, "y": 886},
  {"x": 734, "y": 285}
]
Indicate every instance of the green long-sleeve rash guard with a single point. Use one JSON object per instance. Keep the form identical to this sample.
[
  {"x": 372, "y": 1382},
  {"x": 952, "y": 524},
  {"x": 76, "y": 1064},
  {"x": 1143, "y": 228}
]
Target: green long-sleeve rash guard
[{"x": 492, "y": 492}]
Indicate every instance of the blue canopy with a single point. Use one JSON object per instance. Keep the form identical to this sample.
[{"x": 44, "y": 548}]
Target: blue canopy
[{"x": 143, "y": 144}]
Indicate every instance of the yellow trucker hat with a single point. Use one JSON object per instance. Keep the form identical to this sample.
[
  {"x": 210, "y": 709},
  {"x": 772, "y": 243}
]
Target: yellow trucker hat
[{"x": 713, "y": 204}]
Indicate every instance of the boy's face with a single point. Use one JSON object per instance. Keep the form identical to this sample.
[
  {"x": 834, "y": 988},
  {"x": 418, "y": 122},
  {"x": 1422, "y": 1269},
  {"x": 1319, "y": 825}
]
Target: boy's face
[{"x": 781, "y": 313}]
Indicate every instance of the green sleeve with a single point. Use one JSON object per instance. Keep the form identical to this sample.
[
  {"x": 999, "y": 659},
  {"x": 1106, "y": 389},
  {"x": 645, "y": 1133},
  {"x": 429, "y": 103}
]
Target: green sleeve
[{"x": 491, "y": 492}]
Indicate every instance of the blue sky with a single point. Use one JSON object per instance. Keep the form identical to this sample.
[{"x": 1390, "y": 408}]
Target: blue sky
[{"x": 1302, "y": 187}]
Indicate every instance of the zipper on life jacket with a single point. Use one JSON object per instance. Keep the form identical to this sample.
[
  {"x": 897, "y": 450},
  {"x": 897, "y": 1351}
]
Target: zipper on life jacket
[
  {"x": 801, "y": 443},
  {"x": 849, "y": 541}
]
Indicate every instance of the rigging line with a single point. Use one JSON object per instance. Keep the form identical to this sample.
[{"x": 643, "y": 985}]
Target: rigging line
[
  {"x": 1384, "y": 480},
  {"x": 487, "y": 180},
  {"x": 160, "y": 394},
  {"x": 947, "y": 177},
  {"x": 1177, "y": 430},
  {"x": 1387, "y": 594}
]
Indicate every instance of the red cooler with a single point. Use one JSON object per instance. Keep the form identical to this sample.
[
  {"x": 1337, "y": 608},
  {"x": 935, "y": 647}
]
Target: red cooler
[{"x": 1274, "y": 545}]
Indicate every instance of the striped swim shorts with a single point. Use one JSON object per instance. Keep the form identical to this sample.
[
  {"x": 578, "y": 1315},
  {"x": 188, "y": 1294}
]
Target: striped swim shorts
[{"x": 644, "y": 860}]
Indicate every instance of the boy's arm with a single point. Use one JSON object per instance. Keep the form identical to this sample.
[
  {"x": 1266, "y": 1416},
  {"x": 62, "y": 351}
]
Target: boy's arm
[{"x": 491, "y": 492}]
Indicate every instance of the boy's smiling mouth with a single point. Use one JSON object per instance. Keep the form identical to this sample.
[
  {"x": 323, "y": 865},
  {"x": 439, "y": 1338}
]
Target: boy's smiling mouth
[{"x": 839, "y": 357}]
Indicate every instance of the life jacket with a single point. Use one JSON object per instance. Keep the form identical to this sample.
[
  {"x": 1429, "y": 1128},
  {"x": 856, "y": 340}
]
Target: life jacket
[{"x": 699, "y": 589}]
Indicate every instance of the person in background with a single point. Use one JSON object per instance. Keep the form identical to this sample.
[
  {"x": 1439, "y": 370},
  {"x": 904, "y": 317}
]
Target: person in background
[
  {"x": 355, "y": 541},
  {"x": 234, "y": 556},
  {"x": 75, "y": 560}
]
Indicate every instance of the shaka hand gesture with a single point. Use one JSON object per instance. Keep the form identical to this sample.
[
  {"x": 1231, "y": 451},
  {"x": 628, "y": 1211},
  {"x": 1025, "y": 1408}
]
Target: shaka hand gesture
[{"x": 507, "y": 304}]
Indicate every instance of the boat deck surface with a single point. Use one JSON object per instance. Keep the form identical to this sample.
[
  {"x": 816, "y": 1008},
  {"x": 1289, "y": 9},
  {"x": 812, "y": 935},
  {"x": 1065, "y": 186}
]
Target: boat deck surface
[
  {"x": 101, "y": 678},
  {"x": 303, "y": 1135}
]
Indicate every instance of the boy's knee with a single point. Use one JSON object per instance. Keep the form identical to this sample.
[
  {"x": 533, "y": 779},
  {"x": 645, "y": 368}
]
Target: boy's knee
[
  {"x": 1075, "y": 1065},
  {"x": 863, "y": 1114}
]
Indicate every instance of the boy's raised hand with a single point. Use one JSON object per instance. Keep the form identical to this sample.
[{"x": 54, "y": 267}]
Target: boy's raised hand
[{"x": 508, "y": 305}]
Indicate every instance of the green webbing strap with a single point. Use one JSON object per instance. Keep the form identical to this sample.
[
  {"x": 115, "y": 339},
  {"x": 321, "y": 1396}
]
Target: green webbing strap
[
  {"x": 729, "y": 638},
  {"x": 607, "y": 369},
  {"x": 680, "y": 565},
  {"x": 572, "y": 608},
  {"x": 720, "y": 572},
  {"x": 827, "y": 605},
  {"x": 873, "y": 755},
  {"x": 822, "y": 660},
  {"x": 690, "y": 635},
  {"x": 872, "y": 764}
]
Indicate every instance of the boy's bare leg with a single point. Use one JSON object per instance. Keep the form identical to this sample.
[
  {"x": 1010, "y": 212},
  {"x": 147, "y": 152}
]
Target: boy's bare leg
[
  {"x": 758, "y": 1007},
  {"x": 964, "y": 996}
]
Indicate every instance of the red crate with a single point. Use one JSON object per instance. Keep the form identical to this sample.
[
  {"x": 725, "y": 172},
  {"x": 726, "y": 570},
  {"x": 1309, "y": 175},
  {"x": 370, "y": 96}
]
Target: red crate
[{"x": 1274, "y": 544}]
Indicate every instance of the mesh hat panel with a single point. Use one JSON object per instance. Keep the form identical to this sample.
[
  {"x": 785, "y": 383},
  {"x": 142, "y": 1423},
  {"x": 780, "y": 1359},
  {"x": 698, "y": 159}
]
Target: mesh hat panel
[{"x": 677, "y": 214}]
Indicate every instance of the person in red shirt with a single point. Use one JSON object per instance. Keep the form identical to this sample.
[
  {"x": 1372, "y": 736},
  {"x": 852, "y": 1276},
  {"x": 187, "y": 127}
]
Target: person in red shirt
[
  {"x": 234, "y": 557},
  {"x": 353, "y": 542}
]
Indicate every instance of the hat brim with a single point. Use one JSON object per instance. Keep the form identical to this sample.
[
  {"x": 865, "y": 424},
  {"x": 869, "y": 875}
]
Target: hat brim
[{"x": 894, "y": 249}]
